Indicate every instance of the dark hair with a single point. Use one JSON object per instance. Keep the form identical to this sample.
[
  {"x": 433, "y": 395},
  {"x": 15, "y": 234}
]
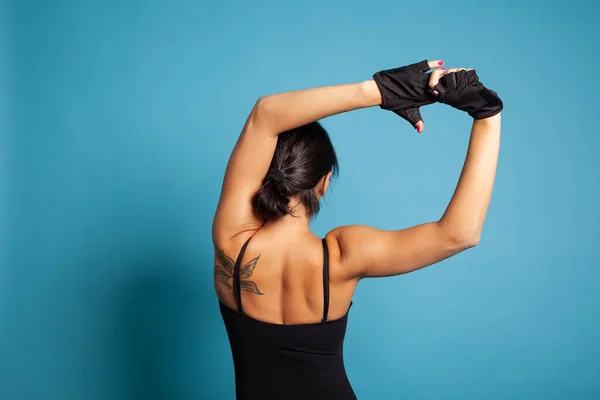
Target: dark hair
[{"x": 303, "y": 156}]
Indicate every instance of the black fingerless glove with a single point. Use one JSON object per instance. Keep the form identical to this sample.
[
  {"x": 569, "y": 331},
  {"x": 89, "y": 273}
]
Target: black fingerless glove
[
  {"x": 405, "y": 89},
  {"x": 462, "y": 90}
]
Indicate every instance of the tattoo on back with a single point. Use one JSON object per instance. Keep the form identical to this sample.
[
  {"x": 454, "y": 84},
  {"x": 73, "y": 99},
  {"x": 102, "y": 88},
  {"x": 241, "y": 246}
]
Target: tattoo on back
[{"x": 224, "y": 273}]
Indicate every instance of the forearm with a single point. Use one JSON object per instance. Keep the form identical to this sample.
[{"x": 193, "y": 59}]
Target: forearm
[
  {"x": 281, "y": 112},
  {"x": 464, "y": 217}
]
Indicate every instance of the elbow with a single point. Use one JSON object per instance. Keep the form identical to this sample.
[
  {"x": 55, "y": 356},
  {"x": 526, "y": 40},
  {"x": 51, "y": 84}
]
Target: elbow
[
  {"x": 465, "y": 241},
  {"x": 260, "y": 117},
  {"x": 473, "y": 240},
  {"x": 260, "y": 102},
  {"x": 261, "y": 107},
  {"x": 462, "y": 239}
]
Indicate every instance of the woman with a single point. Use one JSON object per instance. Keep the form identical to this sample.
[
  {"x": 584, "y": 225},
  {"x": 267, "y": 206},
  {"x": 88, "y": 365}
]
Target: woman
[{"x": 285, "y": 295}]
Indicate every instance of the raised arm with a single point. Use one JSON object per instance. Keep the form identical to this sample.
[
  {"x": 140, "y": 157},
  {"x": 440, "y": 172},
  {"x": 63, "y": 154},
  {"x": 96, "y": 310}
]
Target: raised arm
[
  {"x": 253, "y": 152},
  {"x": 370, "y": 252}
]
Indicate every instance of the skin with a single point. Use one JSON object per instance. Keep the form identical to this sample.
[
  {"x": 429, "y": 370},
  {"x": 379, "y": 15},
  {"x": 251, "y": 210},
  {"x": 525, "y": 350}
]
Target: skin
[{"x": 282, "y": 283}]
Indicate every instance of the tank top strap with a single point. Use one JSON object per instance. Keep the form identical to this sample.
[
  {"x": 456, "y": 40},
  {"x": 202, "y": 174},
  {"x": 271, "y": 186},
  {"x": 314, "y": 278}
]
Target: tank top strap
[
  {"x": 325, "y": 280},
  {"x": 237, "y": 289}
]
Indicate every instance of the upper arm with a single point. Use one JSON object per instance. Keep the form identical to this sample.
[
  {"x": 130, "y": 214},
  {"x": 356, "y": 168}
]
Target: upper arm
[
  {"x": 371, "y": 252},
  {"x": 246, "y": 169}
]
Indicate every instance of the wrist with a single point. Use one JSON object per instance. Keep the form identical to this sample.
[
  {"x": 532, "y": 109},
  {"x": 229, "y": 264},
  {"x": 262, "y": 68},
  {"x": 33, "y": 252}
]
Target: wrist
[
  {"x": 488, "y": 120},
  {"x": 371, "y": 92}
]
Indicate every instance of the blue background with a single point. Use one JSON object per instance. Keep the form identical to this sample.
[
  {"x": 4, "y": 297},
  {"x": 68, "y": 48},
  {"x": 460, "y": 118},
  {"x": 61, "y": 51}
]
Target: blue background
[{"x": 117, "y": 121}]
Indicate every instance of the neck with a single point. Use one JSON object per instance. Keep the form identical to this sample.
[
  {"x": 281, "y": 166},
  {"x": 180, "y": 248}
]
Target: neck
[{"x": 291, "y": 224}]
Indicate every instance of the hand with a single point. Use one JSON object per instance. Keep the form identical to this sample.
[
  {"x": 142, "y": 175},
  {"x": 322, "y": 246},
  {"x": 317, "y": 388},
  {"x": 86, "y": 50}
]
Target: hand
[
  {"x": 405, "y": 89},
  {"x": 461, "y": 89}
]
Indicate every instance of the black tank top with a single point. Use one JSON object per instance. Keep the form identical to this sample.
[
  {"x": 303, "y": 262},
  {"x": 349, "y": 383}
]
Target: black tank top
[{"x": 275, "y": 361}]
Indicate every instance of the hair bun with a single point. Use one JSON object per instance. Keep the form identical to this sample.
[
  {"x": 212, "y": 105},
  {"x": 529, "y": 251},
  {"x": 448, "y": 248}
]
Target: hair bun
[{"x": 275, "y": 175}]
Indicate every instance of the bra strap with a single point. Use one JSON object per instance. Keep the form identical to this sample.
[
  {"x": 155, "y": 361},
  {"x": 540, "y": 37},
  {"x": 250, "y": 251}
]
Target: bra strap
[
  {"x": 325, "y": 280},
  {"x": 236, "y": 277}
]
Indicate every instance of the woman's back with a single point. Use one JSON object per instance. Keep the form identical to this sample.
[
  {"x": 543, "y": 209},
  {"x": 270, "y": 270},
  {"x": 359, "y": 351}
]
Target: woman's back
[
  {"x": 287, "y": 346},
  {"x": 282, "y": 277}
]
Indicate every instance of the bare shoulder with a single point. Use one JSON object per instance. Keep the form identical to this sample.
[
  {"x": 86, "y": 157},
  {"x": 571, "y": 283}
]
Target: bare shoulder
[
  {"x": 343, "y": 243},
  {"x": 354, "y": 239}
]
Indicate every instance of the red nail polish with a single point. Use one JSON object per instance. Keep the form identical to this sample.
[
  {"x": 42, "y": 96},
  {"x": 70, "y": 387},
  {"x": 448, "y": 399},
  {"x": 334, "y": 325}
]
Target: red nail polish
[
  {"x": 443, "y": 69},
  {"x": 441, "y": 63}
]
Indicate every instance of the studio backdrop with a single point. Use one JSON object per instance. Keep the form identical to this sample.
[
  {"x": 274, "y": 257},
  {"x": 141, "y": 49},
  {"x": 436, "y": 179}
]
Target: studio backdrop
[{"x": 117, "y": 121}]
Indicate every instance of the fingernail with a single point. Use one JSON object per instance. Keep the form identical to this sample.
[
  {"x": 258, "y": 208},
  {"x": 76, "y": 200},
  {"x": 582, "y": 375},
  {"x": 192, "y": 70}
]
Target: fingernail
[
  {"x": 441, "y": 63},
  {"x": 443, "y": 69}
]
